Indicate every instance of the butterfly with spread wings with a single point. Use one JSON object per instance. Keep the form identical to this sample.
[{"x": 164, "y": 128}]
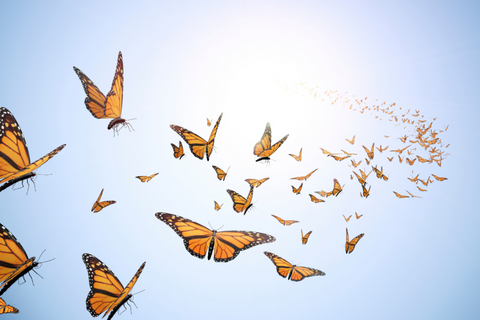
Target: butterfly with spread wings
[
  {"x": 217, "y": 206},
  {"x": 263, "y": 149},
  {"x": 198, "y": 146},
  {"x": 107, "y": 293},
  {"x": 358, "y": 216},
  {"x": 350, "y": 245},
  {"x": 221, "y": 175},
  {"x": 178, "y": 151},
  {"x": 256, "y": 183},
  {"x": 99, "y": 205},
  {"x": 14, "y": 262},
  {"x": 4, "y": 308},
  {"x": 292, "y": 272},
  {"x": 351, "y": 141},
  {"x": 15, "y": 162},
  {"x": 108, "y": 107},
  {"x": 439, "y": 178},
  {"x": 304, "y": 177},
  {"x": 315, "y": 199},
  {"x": 370, "y": 153},
  {"x": 299, "y": 157},
  {"x": 297, "y": 190},
  {"x": 146, "y": 178},
  {"x": 305, "y": 237},
  {"x": 240, "y": 204},
  {"x": 285, "y": 222},
  {"x": 199, "y": 240},
  {"x": 400, "y": 195}
]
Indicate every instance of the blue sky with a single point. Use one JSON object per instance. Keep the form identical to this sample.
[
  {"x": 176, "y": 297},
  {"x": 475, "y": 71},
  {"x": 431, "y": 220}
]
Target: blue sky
[{"x": 188, "y": 61}]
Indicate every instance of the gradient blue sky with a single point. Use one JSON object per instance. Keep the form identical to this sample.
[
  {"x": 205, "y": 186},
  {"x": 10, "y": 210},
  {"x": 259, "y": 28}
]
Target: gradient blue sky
[{"x": 186, "y": 61}]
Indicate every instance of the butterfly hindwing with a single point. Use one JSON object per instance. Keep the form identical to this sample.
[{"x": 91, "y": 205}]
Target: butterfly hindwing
[{"x": 4, "y": 308}]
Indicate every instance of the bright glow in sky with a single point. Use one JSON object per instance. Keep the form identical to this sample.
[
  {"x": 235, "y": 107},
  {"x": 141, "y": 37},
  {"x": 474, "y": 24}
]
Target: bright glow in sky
[{"x": 255, "y": 61}]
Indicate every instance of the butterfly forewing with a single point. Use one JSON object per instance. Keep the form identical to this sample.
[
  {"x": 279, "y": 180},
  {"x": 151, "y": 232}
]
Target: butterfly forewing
[
  {"x": 114, "y": 100},
  {"x": 4, "y": 308}
]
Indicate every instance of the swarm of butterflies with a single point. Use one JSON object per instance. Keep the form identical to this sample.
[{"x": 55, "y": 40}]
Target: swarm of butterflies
[{"x": 107, "y": 294}]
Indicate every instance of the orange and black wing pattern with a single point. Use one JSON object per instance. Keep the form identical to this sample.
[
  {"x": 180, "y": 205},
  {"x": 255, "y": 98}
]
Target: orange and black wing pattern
[
  {"x": 218, "y": 206},
  {"x": 304, "y": 177},
  {"x": 350, "y": 245},
  {"x": 221, "y": 175},
  {"x": 146, "y": 178},
  {"x": 255, "y": 182},
  {"x": 240, "y": 204},
  {"x": 178, "y": 151},
  {"x": 297, "y": 190},
  {"x": 370, "y": 153},
  {"x": 99, "y": 205},
  {"x": 14, "y": 262},
  {"x": 315, "y": 199},
  {"x": 295, "y": 273},
  {"x": 264, "y": 148},
  {"x": 107, "y": 293},
  {"x": 305, "y": 237},
  {"x": 285, "y": 222},
  {"x": 400, "y": 195},
  {"x": 299, "y": 157},
  {"x": 4, "y": 308},
  {"x": 199, "y": 240},
  {"x": 337, "y": 188},
  {"x": 14, "y": 155}
]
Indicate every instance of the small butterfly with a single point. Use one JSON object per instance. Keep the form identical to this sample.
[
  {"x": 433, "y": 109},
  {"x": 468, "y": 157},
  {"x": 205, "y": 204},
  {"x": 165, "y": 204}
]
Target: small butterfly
[
  {"x": 351, "y": 141},
  {"x": 358, "y": 216},
  {"x": 217, "y": 206},
  {"x": 350, "y": 245},
  {"x": 97, "y": 206},
  {"x": 400, "y": 196},
  {"x": 346, "y": 219},
  {"x": 305, "y": 237},
  {"x": 297, "y": 190},
  {"x": 304, "y": 177},
  {"x": 146, "y": 178},
  {"x": 315, "y": 199},
  {"x": 299, "y": 157},
  {"x": 256, "y": 183},
  {"x": 240, "y": 204},
  {"x": 285, "y": 222},
  {"x": 292, "y": 272}
]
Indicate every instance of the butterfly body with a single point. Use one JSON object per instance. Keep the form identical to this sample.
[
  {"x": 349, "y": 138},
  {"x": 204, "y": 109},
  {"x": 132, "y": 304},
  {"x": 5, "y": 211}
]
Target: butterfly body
[
  {"x": 146, "y": 178},
  {"x": 178, "y": 151},
  {"x": 305, "y": 237}
]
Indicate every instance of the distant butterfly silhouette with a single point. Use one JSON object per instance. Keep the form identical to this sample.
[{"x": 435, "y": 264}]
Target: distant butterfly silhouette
[
  {"x": 292, "y": 272},
  {"x": 400, "y": 196},
  {"x": 305, "y": 237},
  {"x": 256, "y": 183},
  {"x": 102, "y": 107},
  {"x": 178, "y": 151},
  {"x": 315, "y": 199},
  {"x": 4, "y": 308},
  {"x": 263, "y": 148},
  {"x": 370, "y": 153},
  {"x": 336, "y": 187},
  {"x": 99, "y": 205},
  {"x": 146, "y": 178},
  {"x": 304, "y": 177},
  {"x": 15, "y": 163},
  {"x": 221, "y": 175},
  {"x": 199, "y": 240},
  {"x": 198, "y": 146},
  {"x": 346, "y": 219},
  {"x": 358, "y": 216},
  {"x": 299, "y": 157},
  {"x": 285, "y": 222},
  {"x": 439, "y": 178},
  {"x": 366, "y": 192},
  {"x": 351, "y": 141},
  {"x": 217, "y": 206},
  {"x": 209, "y": 122},
  {"x": 240, "y": 204},
  {"x": 107, "y": 293},
  {"x": 350, "y": 245},
  {"x": 297, "y": 190}
]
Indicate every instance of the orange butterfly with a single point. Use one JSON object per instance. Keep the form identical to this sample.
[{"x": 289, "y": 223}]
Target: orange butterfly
[
  {"x": 299, "y": 157},
  {"x": 400, "y": 159},
  {"x": 351, "y": 141},
  {"x": 350, "y": 245},
  {"x": 285, "y": 222},
  {"x": 439, "y": 178},
  {"x": 198, "y": 146},
  {"x": 390, "y": 159},
  {"x": 356, "y": 164},
  {"x": 346, "y": 219},
  {"x": 411, "y": 162},
  {"x": 240, "y": 204},
  {"x": 400, "y": 196},
  {"x": 256, "y": 183},
  {"x": 329, "y": 154},
  {"x": 199, "y": 239},
  {"x": 146, "y": 178},
  {"x": 209, "y": 122},
  {"x": 297, "y": 190},
  {"x": 305, "y": 237},
  {"x": 221, "y": 175},
  {"x": 358, "y": 216},
  {"x": 102, "y": 107},
  {"x": 178, "y": 151},
  {"x": 97, "y": 206},
  {"x": 336, "y": 187},
  {"x": 263, "y": 148},
  {"x": 360, "y": 179},
  {"x": 217, "y": 206},
  {"x": 304, "y": 177},
  {"x": 400, "y": 150},
  {"x": 367, "y": 161},
  {"x": 315, "y": 199},
  {"x": 295, "y": 273},
  {"x": 340, "y": 158},
  {"x": 413, "y": 196},
  {"x": 4, "y": 308},
  {"x": 370, "y": 153},
  {"x": 423, "y": 190},
  {"x": 366, "y": 192}
]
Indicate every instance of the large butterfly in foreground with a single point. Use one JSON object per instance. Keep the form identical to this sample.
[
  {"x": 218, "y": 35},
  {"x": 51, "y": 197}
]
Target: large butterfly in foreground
[
  {"x": 295, "y": 273},
  {"x": 199, "y": 240},
  {"x": 99, "y": 205},
  {"x": 108, "y": 107},
  {"x": 15, "y": 163},
  {"x": 14, "y": 262},
  {"x": 4, "y": 308},
  {"x": 350, "y": 245},
  {"x": 107, "y": 293},
  {"x": 263, "y": 148},
  {"x": 240, "y": 204},
  {"x": 197, "y": 144}
]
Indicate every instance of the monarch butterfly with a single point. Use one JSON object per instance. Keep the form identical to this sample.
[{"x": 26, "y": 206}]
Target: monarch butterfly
[
  {"x": 336, "y": 187},
  {"x": 221, "y": 175},
  {"x": 315, "y": 199},
  {"x": 400, "y": 150},
  {"x": 178, "y": 151},
  {"x": 97, "y": 206},
  {"x": 390, "y": 159},
  {"x": 14, "y": 262},
  {"x": 240, "y": 204},
  {"x": 285, "y": 222},
  {"x": 297, "y": 190},
  {"x": 256, "y": 183},
  {"x": 423, "y": 190},
  {"x": 4, "y": 308},
  {"x": 411, "y": 162},
  {"x": 366, "y": 192},
  {"x": 400, "y": 159},
  {"x": 367, "y": 161},
  {"x": 107, "y": 293},
  {"x": 413, "y": 179},
  {"x": 403, "y": 139},
  {"x": 263, "y": 148},
  {"x": 292, "y": 272},
  {"x": 304, "y": 177},
  {"x": 198, "y": 146},
  {"x": 305, "y": 237},
  {"x": 348, "y": 153},
  {"x": 299, "y": 157},
  {"x": 439, "y": 178},
  {"x": 358, "y": 216},
  {"x": 400, "y": 196},
  {"x": 146, "y": 178},
  {"x": 351, "y": 141},
  {"x": 217, "y": 206},
  {"x": 350, "y": 245},
  {"x": 199, "y": 239},
  {"x": 369, "y": 152},
  {"x": 209, "y": 122},
  {"x": 15, "y": 163},
  {"x": 355, "y": 164},
  {"x": 413, "y": 196},
  {"x": 346, "y": 219},
  {"x": 102, "y": 107},
  {"x": 339, "y": 158},
  {"x": 328, "y": 153}
]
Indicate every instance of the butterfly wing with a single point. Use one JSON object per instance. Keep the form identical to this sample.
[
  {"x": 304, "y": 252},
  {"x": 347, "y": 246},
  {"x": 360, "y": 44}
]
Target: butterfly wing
[
  {"x": 294, "y": 273},
  {"x": 305, "y": 237},
  {"x": 256, "y": 183},
  {"x": 240, "y": 204},
  {"x": 283, "y": 266},
  {"x": 228, "y": 244},
  {"x": 211, "y": 140},
  {"x": 143, "y": 178},
  {"x": 95, "y": 100},
  {"x": 315, "y": 199},
  {"x": 221, "y": 175},
  {"x": 99, "y": 205},
  {"x": 350, "y": 245},
  {"x": 265, "y": 141},
  {"x": 4, "y": 308},
  {"x": 178, "y": 151},
  {"x": 336, "y": 187},
  {"x": 217, "y": 206},
  {"x": 196, "y": 143}
]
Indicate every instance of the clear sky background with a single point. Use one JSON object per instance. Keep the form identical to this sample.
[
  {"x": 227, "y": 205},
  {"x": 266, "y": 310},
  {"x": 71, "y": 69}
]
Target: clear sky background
[{"x": 186, "y": 61}]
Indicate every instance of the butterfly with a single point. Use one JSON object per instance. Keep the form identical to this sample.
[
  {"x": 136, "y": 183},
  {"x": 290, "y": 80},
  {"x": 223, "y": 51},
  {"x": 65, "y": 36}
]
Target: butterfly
[
  {"x": 346, "y": 219},
  {"x": 256, "y": 183},
  {"x": 390, "y": 159},
  {"x": 107, "y": 293},
  {"x": 367, "y": 161},
  {"x": 400, "y": 159},
  {"x": 412, "y": 195},
  {"x": 209, "y": 122},
  {"x": 240, "y": 204},
  {"x": 369, "y": 152},
  {"x": 102, "y": 107},
  {"x": 263, "y": 148},
  {"x": 217, "y": 206},
  {"x": 221, "y": 175},
  {"x": 304, "y": 177},
  {"x": 382, "y": 149},
  {"x": 400, "y": 196},
  {"x": 336, "y": 187},
  {"x": 305, "y": 237},
  {"x": 199, "y": 239},
  {"x": 146, "y": 178},
  {"x": 97, "y": 206},
  {"x": 356, "y": 164},
  {"x": 285, "y": 222},
  {"x": 198, "y": 146},
  {"x": 423, "y": 190},
  {"x": 15, "y": 163},
  {"x": 315, "y": 199},
  {"x": 14, "y": 262},
  {"x": 358, "y": 216},
  {"x": 299, "y": 157},
  {"x": 360, "y": 179},
  {"x": 351, "y": 141},
  {"x": 328, "y": 153},
  {"x": 292, "y": 272},
  {"x": 366, "y": 192},
  {"x": 339, "y": 158},
  {"x": 439, "y": 178},
  {"x": 4, "y": 308},
  {"x": 297, "y": 190},
  {"x": 400, "y": 150},
  {"x": 178, "y": 151},
  {"x": 350, "y": 245},
  {"x": 411, "y": 162}
]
